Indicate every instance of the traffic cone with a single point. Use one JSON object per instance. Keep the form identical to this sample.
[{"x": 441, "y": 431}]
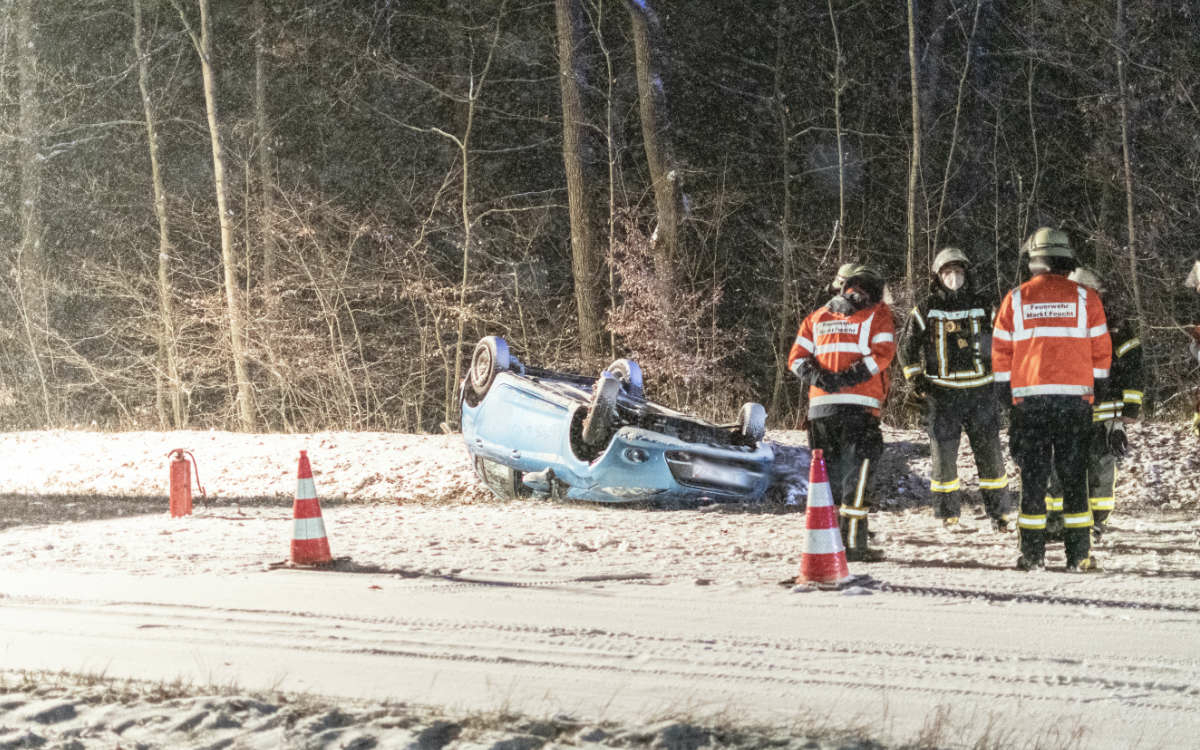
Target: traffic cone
[
  {"x": 309, "y": 544},
  {"x": 824, "y": 560}
]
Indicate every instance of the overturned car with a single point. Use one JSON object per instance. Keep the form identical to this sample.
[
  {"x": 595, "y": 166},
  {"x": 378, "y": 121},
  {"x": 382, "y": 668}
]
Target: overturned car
[{"x": 532, "y": 431}]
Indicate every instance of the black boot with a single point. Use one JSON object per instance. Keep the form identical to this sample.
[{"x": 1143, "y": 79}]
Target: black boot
[
  {"x": 1033, "y": 550},
  {"x": 1079, "y": 547},
  {"x": 856, "y": 547}
]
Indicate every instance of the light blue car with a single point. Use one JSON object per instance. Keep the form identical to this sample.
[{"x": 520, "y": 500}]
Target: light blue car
[{"x": 533, "y": 431}]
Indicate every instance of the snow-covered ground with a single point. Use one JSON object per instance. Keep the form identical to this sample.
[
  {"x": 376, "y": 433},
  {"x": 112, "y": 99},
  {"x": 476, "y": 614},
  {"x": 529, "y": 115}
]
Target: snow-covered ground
[{"x": 408, "y": 507}]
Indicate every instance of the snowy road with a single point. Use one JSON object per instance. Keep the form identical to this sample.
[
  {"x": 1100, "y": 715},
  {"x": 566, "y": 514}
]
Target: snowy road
[{"x": 636, "y": 649}]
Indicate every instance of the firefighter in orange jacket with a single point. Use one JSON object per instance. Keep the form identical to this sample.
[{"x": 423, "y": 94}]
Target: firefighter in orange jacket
[
  {"x": 1050, "y": 353},
  {"x": 842, "y": 352}
]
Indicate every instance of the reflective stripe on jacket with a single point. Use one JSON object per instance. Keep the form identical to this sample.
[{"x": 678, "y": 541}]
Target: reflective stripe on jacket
[
  {"x": 1051, "y": 339},
  {"x": 1126, "y": 377},
  {"x": 838, "y": 342},
  {"x": 948, "y": 338}
]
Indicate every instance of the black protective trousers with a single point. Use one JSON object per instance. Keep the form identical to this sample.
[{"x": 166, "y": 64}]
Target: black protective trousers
[
  {"x": 1052, "y": 432},
  {"x": 1102, "y": 480},
  {"x": 948, "y": 413},
  {"x": 852, "y": 443}
]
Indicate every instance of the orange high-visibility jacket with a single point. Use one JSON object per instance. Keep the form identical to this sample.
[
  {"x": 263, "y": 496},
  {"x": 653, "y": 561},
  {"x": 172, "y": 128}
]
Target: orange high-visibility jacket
[
  {"x": 1051, "y": 339},
  {"x": 838, "y": 342}
]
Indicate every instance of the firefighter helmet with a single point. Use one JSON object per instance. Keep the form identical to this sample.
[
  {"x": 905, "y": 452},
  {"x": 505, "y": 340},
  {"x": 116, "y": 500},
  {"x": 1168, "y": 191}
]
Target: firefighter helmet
[
  {"x": 843, "y": 273},
  {"x": 1048, "y": 243},
  {"x": 950, "y": 255},
  {"x": 867, "y": 279},
  {"x": 1087, "y": 277}
]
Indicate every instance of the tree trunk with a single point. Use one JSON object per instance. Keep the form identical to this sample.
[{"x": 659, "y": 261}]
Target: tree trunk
[
  {"x": 203, "y": 44},
  {"x": 914, "y": 166},
  {"x": 266, "y": 183},
  {"x": 944, "y": 189},
  {"x": 172, "y": 392},
  {"x": 1130, "y": 217},
  {"x": 30, "y": 265},
  {"x": 838, "y": 85},
  {"x": 587, "y": 264},
  {"x": 785, "y": 326},
  {"x": 653, "y": 112},
  {"x": 464, "y": 148}
]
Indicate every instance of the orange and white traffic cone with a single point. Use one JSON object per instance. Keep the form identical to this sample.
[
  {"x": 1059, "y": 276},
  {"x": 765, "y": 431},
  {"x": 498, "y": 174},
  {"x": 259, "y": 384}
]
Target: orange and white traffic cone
[
  {"x": 824, "y": 560},
  {"x": 309, "y": 544}
]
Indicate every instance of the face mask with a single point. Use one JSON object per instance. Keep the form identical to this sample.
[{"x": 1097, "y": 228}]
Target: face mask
[{"x": 953, "y": 280}]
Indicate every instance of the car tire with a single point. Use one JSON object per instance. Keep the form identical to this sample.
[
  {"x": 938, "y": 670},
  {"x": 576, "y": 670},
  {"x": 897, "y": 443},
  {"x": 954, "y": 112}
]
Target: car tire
[
  {"x": 752, "y": 422},
  {"x": 597, "y": 426},
  {"x": 630, "y": 374},
  {"x": 490, "y": 357}
]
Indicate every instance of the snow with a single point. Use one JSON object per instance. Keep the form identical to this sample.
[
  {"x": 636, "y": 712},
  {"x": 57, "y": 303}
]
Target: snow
[{"x": 79, "y": 507}]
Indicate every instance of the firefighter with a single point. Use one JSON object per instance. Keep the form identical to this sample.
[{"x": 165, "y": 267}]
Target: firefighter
[
  {"x": 1051, "y": 347},
  {"x": 1116, "y": 407},
  {"x": 842, "y": 352},
  {"x": 1193, "y": 282},
  {"x": 946, "y": 353}
]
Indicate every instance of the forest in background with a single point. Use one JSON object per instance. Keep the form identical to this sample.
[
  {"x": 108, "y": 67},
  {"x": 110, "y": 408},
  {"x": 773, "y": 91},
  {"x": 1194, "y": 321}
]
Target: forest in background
[{"x": 283, "y": 215}]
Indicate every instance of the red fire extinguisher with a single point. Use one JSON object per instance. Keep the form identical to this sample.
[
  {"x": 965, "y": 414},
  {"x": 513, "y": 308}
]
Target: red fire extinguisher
[{"x": 181, "y": 482}]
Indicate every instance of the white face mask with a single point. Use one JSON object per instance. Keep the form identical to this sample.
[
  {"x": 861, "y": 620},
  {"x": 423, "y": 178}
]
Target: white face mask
[{"x": 953, "y": 279}]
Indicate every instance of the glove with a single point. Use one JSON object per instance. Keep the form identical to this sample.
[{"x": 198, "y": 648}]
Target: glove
[
  {"x": 848, "y": 378},
  {"x": 1118, "y": 443},
  {"x": 827, "y": 381},
  {"x": 1196, "y": 424},
  {"x": 920, "y": 384},
  {"x": 807, "y": 370}
]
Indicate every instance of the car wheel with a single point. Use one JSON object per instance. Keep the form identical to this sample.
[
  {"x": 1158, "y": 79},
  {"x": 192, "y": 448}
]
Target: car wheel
[
  {"x": 752, "y": 421},
  {"x": 490, "y": 357},
  {"x": 630, "y": 374},
  {"x": 597, "y": 426}
]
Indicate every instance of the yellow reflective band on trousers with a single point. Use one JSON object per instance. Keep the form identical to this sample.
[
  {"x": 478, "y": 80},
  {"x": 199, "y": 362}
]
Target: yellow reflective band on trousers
[
  {"x": 993, "y": 484},
  {"x": 1077, "y": 520},
  {"x": 1106, "y": 503},
  {"x": 1053, "y": 503},
  {"x": 858, "y": 511},
  {"x": 1032, "y": 522},
  {"x": 950, "y": 486}
]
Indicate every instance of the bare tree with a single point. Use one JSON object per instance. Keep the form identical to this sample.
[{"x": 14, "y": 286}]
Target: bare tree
[
  {"x": 202, "y": 41},
  {"x": 914, "y": 165},
  {"x": 1127, "y": 163},
  {"x": 586, "y": 261},
  {"x": 664, "y": 174},
  {"x": 266, "y": 183},
  {"x": 172, "y": 390},
  {"x": 787, "y": 311},
  {"x": 944, "y": 189},
  {"x": 839, "y": 85},
  {"x": 32, "y": 305}
]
